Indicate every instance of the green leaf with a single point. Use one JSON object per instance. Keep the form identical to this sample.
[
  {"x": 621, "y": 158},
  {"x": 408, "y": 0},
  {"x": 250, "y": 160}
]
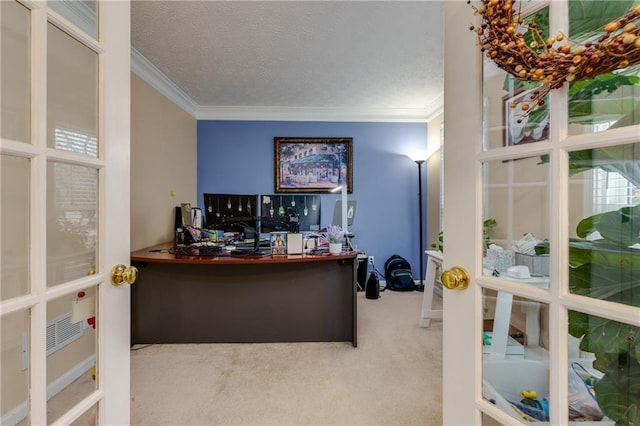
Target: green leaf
[
  {"x": 588, "y": 225},
  {"x": 583, "y": 93},
  {"x": 587, "y": 17},
  {"x": 578, "y": 324},
  {"x": 608, "y": 336},
  {"x": 620, "y": 227},
  {"x": 542, "y": 248},
  {"x": 603, "y": 254},
  {"x": 614, "y": 284},
  {"x": 623, "y": 159},
  {"x": 618, "y": 392}
]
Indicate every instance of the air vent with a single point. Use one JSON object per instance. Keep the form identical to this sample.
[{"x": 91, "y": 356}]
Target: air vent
[{"x": 61, "y": 332}]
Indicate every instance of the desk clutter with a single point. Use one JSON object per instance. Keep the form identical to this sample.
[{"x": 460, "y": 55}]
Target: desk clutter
[
  {"x": 239, "y": 224},
  {"x": 199, "y": 242}
]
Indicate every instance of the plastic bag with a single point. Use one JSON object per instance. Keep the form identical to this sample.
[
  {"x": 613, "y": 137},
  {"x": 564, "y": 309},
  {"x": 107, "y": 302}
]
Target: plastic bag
[{"x": 582, "y": 397}]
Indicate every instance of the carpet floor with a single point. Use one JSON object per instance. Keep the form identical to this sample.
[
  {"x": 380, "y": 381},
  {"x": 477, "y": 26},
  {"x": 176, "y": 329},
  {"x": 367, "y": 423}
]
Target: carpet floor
[{"x": 393, "y": 377}]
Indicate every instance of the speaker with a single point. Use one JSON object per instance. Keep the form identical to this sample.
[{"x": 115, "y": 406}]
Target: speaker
[
  {"x": 361, "y": 275},
  {"x": 178, "y": 217},
  {"x": 372, "y": 288}
]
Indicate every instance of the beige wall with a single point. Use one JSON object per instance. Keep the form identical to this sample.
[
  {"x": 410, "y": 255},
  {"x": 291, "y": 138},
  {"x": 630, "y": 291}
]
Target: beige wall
[
  {"x": 163, "y": 164},
  {"x": 433, "y": 182}
]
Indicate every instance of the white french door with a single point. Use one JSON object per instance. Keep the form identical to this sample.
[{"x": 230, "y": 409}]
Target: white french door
[
  {"x": 64, "y": 176},
  {"x": 566, "y": 322}
]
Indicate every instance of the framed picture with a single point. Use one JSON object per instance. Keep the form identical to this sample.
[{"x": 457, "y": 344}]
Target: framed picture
[
  {"x": 313, "y": 165},
  {"x": 520, "y": 128}
]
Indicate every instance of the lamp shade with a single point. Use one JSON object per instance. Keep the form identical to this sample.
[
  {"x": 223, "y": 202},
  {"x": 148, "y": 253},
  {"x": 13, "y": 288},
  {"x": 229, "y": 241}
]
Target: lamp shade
[
  {"x": 419, "y": 156},
  {"x": 422, "y": 155}
]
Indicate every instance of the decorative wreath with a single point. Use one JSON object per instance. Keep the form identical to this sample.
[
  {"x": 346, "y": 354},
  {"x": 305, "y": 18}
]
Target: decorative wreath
[{"x": 554, "y": 60}]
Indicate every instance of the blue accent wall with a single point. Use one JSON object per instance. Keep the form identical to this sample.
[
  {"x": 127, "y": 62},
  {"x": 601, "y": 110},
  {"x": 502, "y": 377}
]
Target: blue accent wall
[{"x": 238, "y": 157}]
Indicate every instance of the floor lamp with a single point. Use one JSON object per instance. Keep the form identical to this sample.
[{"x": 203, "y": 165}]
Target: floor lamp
[{"x": 419, "y": 159}]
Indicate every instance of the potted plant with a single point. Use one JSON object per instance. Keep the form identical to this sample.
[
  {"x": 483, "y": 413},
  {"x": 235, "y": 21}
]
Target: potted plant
[{"x": 335, "y": 235}]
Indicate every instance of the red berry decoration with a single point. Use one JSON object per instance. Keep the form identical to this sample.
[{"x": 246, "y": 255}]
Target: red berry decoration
[{"x": 549, "y": 61}]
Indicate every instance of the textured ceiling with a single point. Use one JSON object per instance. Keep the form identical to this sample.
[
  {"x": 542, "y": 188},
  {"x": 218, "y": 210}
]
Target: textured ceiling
[{"x": 318, "y": 55}]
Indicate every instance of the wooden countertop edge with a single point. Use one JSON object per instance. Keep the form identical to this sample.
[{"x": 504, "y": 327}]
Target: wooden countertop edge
[{"x": 162, "y": 256}]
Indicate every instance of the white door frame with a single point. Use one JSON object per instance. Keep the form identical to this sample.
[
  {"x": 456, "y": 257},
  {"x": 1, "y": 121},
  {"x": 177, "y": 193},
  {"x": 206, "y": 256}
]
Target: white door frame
[
  {"x": 462, "y": 114},
  {"x": 114, "y": 342}
]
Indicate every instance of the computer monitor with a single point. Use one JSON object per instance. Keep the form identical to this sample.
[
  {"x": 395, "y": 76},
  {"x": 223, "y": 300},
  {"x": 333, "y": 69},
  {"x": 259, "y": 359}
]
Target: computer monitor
[
  {"x": 289, "y": 212},
  {"x": 351, "y": 212},
  {"x": 231, "y": 212}
]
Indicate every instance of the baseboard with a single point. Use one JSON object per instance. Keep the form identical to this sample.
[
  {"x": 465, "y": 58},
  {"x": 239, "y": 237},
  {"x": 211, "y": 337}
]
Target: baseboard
[{"x": 21, "y": 411}]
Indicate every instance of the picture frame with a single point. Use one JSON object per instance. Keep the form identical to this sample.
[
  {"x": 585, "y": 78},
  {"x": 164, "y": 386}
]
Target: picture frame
[
  {"x": 312, "y": 165},
  {"x": 518, "y": 128}
]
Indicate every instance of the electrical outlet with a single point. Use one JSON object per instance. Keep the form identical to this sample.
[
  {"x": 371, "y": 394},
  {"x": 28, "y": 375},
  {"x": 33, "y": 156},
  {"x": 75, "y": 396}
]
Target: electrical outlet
[{"x": 371, "y": 260}]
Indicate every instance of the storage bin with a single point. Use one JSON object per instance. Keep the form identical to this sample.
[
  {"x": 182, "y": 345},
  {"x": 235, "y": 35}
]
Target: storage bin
[{"x": 538, "y": 265}]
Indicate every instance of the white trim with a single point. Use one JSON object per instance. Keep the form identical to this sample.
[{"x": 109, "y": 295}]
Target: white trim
[
  {"x": 144, "y": 69},
  {"x": 315, "y": 114},
  {"x": 20, "y": 411},
  {"x": 15, "y": 415},
  {"x": 77, "y": 12}
]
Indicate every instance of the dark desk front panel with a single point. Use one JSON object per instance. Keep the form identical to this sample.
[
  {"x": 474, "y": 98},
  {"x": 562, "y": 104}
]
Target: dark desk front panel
[{"x": 273, "y": 302}]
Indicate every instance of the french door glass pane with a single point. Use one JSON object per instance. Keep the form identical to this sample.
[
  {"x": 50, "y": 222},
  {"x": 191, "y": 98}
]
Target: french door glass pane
[
  {"x": 14, "y": 361},
  {"x": 14, "y": 228},
  {"x": 15, "y": 71},
  {"x": 72, "y": 94},
  {"x": 515, "y": 367},
  {"x": 81, "y": 13},
  {"x": 71, "y": 350},
  {"x": 610, "y": 100},
  {"x": 72, "y": 193},
  {"x": 604, "y": 379},
  {"x": 604, "y": 248},
  {"x": 516, "y": 213}
]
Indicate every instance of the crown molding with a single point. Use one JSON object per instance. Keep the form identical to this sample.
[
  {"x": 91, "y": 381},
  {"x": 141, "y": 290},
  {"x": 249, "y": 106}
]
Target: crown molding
[
  {"x": 144, "y": 69},
  {"x": 313, "y": 114},
  {"x": 77, "y": 12}
]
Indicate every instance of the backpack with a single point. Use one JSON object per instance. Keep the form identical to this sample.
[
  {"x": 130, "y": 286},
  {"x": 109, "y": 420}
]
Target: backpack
[{"x": 397, "y": 274}]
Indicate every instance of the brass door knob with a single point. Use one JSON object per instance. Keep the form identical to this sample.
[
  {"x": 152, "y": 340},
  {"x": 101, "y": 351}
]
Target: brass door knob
[
  {"x": 456, "y": 278},
  {"x": 120, "y": 273}
]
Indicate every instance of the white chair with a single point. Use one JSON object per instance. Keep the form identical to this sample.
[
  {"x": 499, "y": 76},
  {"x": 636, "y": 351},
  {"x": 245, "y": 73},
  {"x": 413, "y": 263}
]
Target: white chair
[{"x": 434, "y": 260}]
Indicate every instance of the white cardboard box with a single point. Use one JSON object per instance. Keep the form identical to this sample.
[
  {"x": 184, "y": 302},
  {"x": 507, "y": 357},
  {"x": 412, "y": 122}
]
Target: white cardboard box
[{"x": 294, "y": 243}]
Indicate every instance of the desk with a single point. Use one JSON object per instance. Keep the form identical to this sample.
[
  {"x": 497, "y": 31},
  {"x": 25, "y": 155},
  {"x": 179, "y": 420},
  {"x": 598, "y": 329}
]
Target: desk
[{"x": 249, "y": 298}]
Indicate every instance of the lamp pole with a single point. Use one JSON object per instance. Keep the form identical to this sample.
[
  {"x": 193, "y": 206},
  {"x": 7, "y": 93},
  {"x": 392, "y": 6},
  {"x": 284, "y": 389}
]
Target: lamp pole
[{"x": 419, "y": 163}]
